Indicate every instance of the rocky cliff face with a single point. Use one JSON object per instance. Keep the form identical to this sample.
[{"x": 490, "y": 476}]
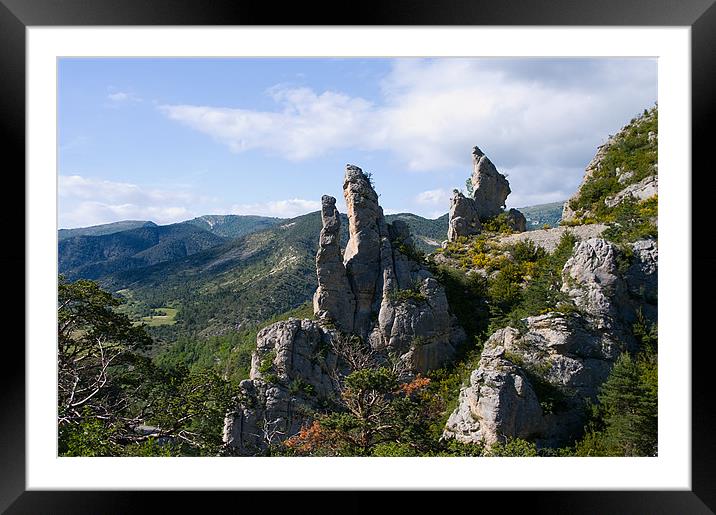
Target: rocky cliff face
[
  {"x": 533, "y": 383},
  {"x": 490, "y": 187},
  {"x": 375, "y": 291},
  {"x": 623, "y": 167}
]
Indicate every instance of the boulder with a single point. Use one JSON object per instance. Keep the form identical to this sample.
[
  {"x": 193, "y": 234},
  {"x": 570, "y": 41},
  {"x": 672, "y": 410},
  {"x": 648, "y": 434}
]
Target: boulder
[
  {"x": 516, "y": 221},
  {"x": 464, "y": 217},
  {"x": 533, "y": 384},
  {"x": 592, "y": 281}
]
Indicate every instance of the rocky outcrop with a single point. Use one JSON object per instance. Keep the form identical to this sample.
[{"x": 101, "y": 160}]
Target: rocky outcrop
[
  {"x": 594, "y": 165},
  {"x": 532, "y": 383},
  {"x": 590, "y": 278},
  {"x": 292, "y": 371},
  {"x": 490, "y": 188},
  {"x": 516, "y": 221},
  {"x": 376, "y": 291},
  {"x": 636, "y": 139},
  {"x": 642, "y": 190},
  {"x": 400, "y": 308},
  {"x": 464, "y": 217},
  {"x": 489, "y": 191},
  {"x": 368, "y": 230},
  {"x": 334, "y": 300}
]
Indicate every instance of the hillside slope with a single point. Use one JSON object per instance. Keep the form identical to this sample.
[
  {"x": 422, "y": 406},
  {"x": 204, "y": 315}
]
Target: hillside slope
[
  {"x": 234, "y": 226},
  {"x": 93, "y": 257}
]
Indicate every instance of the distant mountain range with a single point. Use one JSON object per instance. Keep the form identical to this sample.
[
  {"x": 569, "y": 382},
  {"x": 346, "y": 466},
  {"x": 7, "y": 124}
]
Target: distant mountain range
[
  {"x": 538, "y": 216},
  {"x": 220, "y": 271},
  {"x": 234, "y": 226},
  {"x": 99, "y": 230}
]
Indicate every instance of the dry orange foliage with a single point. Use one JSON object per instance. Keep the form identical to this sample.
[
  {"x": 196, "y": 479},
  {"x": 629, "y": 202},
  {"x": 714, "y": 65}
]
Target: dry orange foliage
[
  {"x": 414, "y": 385},
  {"x": 309, "y": 438}
]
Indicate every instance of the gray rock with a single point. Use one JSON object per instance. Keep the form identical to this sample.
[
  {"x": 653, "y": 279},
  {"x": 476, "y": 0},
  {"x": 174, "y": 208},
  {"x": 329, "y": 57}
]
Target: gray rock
[
  {"x": 533, "y": 383},
  {"x": 334, "y": 299},
  {"x": 560, "y": 357},
  {"x": 490, "y": 187},
  {"x": 624, "y": 176},
  {"x": 291, "y": 371},
  {"x": 590, "y": 279},
  {"x": 516, "y": 221},
  {"x": 464, "y": 217},
  {"x": 498, "y": 401},
  {"x": 362, "y": 256},
  {"x": 642, "y": 190}
]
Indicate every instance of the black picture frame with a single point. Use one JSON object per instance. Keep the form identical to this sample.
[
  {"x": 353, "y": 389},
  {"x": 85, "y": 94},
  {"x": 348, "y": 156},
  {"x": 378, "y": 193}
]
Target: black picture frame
[{"x": 700, "y": 15}]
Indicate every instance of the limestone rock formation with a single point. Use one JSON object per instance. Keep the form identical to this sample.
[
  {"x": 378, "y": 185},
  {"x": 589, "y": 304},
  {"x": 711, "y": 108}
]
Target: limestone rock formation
[
  {"x": 290, "y": 370},
  {"x": 464, "y": 218},
  {"x": 608, "y": 162},
  {"x": 642, "y": 190},
  {"x": 400, "y": 308},
  {"x": 490, "y": 190},
  {"x": 333, "y": 300},
  {"x": 532, "y": 383},
  {"x": 363, "y": 255},
  {"x": 490, "y": 187},
  {"x": 516, "y": 221},
  {"x": 559, "y": 356},
  {"x": 591, "y": 280},
  {"x": 376, "y": 291}
]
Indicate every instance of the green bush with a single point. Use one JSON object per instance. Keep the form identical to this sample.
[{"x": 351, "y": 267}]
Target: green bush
[{"x": 412, "y": 295}]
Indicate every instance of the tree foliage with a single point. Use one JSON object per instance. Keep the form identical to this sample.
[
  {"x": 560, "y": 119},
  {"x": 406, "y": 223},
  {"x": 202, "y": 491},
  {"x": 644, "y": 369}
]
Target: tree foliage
[{"x": 113, "y": 400}]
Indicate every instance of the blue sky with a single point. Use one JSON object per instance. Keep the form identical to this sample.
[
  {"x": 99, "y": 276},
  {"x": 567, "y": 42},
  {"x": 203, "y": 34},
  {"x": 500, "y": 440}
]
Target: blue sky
[{"x": 170, "y": 139}]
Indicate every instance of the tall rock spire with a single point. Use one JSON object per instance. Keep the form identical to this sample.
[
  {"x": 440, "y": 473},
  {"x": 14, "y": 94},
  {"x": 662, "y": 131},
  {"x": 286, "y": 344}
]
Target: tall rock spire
[
  {"x": 334, "y": 298},
  {"x": 362, "y": 258},
  {"x": 490, "y": 187}
]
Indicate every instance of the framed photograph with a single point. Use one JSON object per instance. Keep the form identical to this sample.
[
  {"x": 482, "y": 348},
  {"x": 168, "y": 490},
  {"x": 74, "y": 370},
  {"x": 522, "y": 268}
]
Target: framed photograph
[{"x": 392, "y": 88}]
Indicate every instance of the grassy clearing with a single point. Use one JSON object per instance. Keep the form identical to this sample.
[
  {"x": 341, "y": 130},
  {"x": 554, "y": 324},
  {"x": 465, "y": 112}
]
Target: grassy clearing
[{"x": 161, "y": 316}]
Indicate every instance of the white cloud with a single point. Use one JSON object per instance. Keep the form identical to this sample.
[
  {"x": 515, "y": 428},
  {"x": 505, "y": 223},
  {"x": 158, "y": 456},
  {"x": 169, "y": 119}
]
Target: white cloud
[
  {"x": 551, "y": 113},
  {"x": 86, "y": 201},
  {"x": 306, "y": 126},
  {"x": 118, "y": 97},
  {"x": 121, "y": 97},
  {"x": 89, "y": 213},
  {"x": 438, "y": 197},
  {"x": 279, "y": 208}
]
